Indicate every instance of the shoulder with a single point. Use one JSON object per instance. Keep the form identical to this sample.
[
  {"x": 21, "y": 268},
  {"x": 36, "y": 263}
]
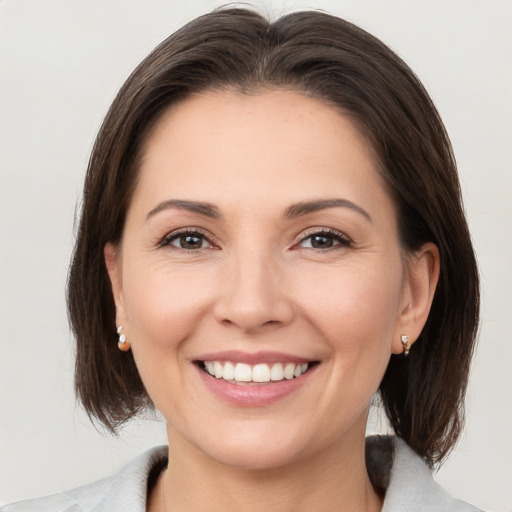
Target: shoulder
[
  {"x": 410, "y": 485},
  {"x": 74, "y": 500},
  {"x": 126, "y": 490}
]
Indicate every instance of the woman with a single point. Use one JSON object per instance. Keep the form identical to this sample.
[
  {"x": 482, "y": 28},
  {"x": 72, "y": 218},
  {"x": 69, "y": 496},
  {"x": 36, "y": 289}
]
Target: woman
[{"x": 271, "y": 233}]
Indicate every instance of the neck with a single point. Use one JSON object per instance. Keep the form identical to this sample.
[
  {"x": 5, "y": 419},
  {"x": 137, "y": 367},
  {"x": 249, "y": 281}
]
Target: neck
[{"x": 334, "y": 480}]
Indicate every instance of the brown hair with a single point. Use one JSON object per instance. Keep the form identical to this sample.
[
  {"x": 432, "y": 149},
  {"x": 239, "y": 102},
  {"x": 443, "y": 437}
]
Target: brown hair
[{"x": 335, "y": 61}]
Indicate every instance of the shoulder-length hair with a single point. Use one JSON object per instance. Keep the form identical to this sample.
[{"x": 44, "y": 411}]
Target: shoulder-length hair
[{"x": 336, "y": 62}]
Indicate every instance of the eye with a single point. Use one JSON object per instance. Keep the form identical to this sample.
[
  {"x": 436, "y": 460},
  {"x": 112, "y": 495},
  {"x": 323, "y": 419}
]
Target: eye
[
  {"x": 325, "y": 239},
  {"x": 190, "y": 240}
]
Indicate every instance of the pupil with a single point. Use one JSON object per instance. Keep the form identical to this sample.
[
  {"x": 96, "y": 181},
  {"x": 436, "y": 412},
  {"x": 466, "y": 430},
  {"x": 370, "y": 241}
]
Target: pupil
[
  {"x": 191, "y": 242},
  {"x": 320, "y": 242}
]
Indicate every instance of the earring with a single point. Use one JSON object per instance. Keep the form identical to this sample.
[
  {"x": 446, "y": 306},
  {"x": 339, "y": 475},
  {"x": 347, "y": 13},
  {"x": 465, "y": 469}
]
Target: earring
[
  {"x": 405, "y": 342},
  {"x": 123, "y": 344}
]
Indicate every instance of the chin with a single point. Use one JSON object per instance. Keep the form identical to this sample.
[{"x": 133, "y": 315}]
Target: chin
[
  {"x": 255, "y": 457},
  {"x": 259, "y": 447}
]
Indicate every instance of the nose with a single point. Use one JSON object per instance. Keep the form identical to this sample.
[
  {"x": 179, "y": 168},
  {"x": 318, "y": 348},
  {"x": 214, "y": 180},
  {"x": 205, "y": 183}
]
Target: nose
[{"x": 254, "y": 294}]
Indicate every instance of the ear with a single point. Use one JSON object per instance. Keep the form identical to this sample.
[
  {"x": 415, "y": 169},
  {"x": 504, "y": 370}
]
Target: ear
[
  {"x": 113, "y": 263},
  {"x": 420, "y": 281}
]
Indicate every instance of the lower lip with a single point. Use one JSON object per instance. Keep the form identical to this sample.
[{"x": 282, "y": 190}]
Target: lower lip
[{"x": 254, "y": 395}]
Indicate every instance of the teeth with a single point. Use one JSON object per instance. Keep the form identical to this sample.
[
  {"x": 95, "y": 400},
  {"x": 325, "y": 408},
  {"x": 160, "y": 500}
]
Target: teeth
[
  {"x": 241, "y": 372},
  {"x": 217, "y": 369},
  {"x": 261, "y": 373},
  {"x": 277, "y": 372},
  {"x": 229, "y": 371},
  {"x": 289, "y": 371}
]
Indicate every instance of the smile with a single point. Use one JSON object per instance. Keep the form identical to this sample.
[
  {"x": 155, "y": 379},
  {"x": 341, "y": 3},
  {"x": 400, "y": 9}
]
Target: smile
[
  {"x": 254, "y": 379},
  {"x": 258, "y": 373}
]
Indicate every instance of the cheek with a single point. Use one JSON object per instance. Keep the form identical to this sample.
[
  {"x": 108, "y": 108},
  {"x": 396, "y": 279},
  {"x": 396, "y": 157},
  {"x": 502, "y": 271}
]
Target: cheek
[
  {"x": 164, "y": 309},
  {"x": 163, "y": 304},
  {"x": 355, "y": 308}
]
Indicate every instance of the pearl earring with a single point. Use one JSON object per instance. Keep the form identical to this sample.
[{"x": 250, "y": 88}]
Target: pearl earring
[
  {"x": 123, "y": 344},
  {"x": 405, "y": 342}
]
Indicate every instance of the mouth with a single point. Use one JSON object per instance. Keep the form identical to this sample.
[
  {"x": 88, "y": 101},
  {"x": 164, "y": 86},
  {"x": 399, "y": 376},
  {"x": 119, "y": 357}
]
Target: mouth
[{"x": 260, "y": 373}]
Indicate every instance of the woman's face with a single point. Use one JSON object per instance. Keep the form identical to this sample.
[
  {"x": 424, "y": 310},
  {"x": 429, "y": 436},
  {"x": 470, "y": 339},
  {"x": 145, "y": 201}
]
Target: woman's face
[{"x": 260, "y": 278}]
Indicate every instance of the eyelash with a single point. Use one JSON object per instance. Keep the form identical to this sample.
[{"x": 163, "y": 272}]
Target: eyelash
[
  {"x": 176, "y": 235},
  {"x": 342, "y": 240},
  {"x": 336, "y": 236}
]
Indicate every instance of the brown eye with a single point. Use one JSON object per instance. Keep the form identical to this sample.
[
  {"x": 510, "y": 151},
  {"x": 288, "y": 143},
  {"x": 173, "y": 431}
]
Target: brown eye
[
  {"x": 188, "y": 241},
  {"x": 321, "y": 241},
  {"x": 324, "y": 240}
]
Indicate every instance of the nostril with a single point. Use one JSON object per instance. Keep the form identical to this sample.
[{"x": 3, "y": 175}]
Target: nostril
[{"x": 251, "y": 299}]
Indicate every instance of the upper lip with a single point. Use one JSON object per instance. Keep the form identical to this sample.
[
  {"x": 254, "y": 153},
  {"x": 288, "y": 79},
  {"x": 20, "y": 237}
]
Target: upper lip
[{"x": 252, "y": 358}]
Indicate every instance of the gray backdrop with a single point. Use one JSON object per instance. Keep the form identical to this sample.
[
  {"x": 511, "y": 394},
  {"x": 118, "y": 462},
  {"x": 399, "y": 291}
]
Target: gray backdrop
[{"x": 61, "y": 63}]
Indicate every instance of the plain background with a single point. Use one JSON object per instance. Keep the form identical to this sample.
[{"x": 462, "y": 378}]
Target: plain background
[{"x": 61, "y": 62}]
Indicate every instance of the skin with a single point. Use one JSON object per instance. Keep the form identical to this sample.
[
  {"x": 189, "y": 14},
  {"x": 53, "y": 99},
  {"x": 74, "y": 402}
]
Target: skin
[{"x": 256, "y": 284}]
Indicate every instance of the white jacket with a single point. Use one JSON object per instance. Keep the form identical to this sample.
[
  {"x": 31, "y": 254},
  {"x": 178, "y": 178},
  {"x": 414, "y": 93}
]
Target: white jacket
[{"x": 409, "y": 487}]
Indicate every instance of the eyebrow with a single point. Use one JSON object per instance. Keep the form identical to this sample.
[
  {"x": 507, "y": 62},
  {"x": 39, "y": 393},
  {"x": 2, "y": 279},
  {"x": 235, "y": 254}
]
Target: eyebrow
[
  {"x": 206, "y": 209},
  {"x": 304, "y": 208},
  {"x": 293, "y": 211}
]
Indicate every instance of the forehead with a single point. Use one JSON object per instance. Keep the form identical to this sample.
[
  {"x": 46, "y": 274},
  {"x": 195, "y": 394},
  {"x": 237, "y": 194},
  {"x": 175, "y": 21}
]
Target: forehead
[
  {"x": 215, "y": 112},
  {"x": 226, "y": 145}
]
